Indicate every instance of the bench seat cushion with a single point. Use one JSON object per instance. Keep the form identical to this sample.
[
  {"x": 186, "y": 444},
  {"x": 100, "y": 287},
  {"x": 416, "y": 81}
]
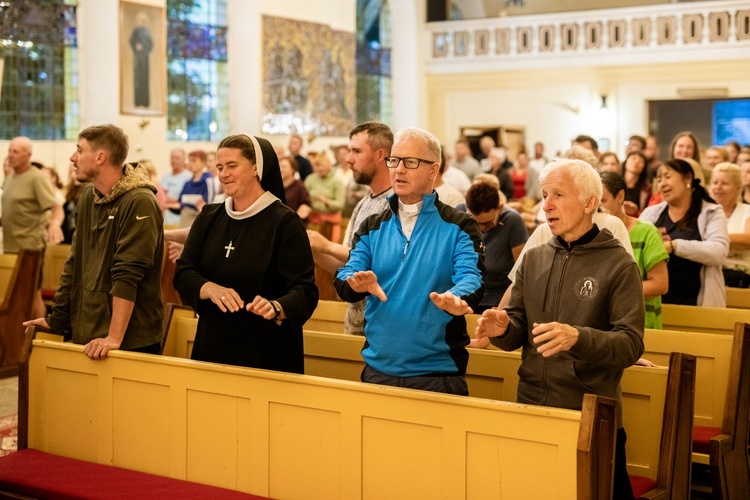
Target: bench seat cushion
[
  {"x": 38, "y": 474},
  {"x": 702, "y": 438},
  {"x": 641, "y": 485}
]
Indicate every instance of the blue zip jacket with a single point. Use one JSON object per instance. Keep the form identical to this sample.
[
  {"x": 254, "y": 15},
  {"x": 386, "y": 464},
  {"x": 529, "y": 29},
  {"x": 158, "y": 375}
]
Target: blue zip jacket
[{"x": 408, "y": 335}]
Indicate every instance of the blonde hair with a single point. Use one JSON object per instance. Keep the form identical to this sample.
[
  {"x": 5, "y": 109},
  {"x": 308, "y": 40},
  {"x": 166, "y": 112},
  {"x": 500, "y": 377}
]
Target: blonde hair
[
  {"x": 577, "y": 152},
  {"x": 697, "y": 170},
  {"x": 732, "y": 169}
]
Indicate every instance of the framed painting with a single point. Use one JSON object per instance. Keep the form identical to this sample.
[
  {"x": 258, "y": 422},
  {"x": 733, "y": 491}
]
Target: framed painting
[{"x": 143, "y": 65}]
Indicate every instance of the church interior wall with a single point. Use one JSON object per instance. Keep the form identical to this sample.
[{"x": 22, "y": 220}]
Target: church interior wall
[
  {"x": 555, "y": 105},
  {"x": 99, "y": 83}
]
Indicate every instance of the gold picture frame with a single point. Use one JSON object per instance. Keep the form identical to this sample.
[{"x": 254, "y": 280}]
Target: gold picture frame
[{"x": 143, "y": 59}]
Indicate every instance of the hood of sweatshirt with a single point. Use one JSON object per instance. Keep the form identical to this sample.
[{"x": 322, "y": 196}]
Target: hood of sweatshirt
[
  {"x": 601, "y": 241},
  {"x": 134, "y": 175}
]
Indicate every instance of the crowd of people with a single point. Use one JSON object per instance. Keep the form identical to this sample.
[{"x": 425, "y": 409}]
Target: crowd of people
[{"x": 568, "y": 259}]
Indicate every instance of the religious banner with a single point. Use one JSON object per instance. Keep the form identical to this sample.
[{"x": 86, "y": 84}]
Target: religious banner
[
  {"x": 309, "y": 84},
  {"x": 143, "y": 66}
]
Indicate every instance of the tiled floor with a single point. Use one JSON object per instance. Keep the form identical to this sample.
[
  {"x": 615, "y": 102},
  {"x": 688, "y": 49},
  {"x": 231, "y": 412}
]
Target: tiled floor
[{"x": 8, "y": 396}]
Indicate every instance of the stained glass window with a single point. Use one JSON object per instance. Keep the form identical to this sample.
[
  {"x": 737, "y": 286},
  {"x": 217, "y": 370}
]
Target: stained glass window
[
  {"x": 39, "y": 95},
  {"x": 373, "y": 61},
  {"x": 197, "y": 82}
]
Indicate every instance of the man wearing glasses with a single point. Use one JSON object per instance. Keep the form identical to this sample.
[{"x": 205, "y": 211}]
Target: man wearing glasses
[{"x": 420, "y": 266}]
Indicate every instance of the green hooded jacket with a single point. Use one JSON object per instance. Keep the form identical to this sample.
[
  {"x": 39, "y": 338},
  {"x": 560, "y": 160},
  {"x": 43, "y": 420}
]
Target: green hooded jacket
[{"x": 117, "y": 251}]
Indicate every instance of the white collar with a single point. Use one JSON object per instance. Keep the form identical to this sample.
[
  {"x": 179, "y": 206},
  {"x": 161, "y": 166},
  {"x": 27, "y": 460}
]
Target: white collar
[
  {"x": 260, "y": 204},
  {"x": 410, "y": 210}
]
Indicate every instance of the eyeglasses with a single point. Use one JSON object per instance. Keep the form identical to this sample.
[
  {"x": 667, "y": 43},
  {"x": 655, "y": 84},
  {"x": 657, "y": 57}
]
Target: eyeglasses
[{"x": 410, "y": 163}]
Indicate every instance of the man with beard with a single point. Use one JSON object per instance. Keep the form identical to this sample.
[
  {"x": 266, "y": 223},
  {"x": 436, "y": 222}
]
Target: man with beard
[{"x": 369, "y": 144}]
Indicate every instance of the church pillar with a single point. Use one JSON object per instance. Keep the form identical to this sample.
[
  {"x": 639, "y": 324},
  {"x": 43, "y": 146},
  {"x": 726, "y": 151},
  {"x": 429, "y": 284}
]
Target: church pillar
[
  {"x": 98, "y": 63},
  {"x": 244, "y": 43},
  {"x": 408, "y": 63}
]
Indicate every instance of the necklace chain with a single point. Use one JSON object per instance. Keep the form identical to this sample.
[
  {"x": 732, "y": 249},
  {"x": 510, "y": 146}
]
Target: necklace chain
[{"x": 232, "y": 235}]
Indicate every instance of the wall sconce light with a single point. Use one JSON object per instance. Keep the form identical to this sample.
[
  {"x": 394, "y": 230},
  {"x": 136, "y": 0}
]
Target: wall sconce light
[{"x": 604, "y": 102}]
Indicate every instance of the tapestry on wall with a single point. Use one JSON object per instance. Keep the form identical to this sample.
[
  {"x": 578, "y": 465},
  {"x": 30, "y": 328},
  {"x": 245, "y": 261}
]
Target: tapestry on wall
[{"x": 309, "y": 82}]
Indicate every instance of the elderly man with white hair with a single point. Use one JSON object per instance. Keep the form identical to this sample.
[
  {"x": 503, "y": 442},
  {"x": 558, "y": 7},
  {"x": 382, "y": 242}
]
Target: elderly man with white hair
[{"x": 576, "y": 308}]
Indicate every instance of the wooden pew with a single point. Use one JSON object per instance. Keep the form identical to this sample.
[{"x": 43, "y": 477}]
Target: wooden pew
[
  {"x": 7, "y": 264},
  {"x": 738, "y": 298},
  {"x": 491, "y": 374},
  {"x": 175, "y": 417},
  {"x": 712, "y": 352},
  {"x": 16, "y": 308},
  {"x": 702, "y": 319},
  {"x": 168, "y": 293},
  {"x": 327, "y": 317},
  {"x": 674, "y": 467},
  {"x": 730, "y": 469},
  {"x": 180, "y": 322},
  {"x": 55, "y": 257}
]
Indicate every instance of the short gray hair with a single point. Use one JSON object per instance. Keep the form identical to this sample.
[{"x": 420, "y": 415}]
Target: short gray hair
[
  {"x": 584, "y": 177},
  {"x": 433, "y": 145}
]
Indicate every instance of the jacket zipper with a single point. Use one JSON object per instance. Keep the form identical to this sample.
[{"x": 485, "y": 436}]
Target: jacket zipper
[{"x": 555, "y": 309}]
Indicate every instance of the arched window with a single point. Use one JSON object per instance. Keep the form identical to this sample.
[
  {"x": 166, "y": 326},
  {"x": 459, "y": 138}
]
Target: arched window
[
  {"x": 38, "y": 46},
  {"x": 197, "y": 82},
  {"x": 373, "y": 61}
]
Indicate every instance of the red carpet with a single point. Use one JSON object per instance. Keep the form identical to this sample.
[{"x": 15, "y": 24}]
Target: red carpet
[{"x": 8, "y": 434}]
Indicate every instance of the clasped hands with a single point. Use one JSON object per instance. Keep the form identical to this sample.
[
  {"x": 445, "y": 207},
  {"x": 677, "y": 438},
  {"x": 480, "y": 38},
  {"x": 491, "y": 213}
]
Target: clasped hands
[
  {"x": 228, "y": 300},
  {"x": 367, "y": 282},
  {"x": 551, "y": 338}
]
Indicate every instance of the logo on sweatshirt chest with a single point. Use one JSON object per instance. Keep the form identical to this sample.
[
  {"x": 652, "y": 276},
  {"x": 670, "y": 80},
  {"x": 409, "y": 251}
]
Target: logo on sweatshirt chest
[{"x": 586, "y": 288}]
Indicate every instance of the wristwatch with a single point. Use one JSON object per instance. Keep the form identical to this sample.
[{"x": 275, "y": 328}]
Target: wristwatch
[{"x": 277, "y": 312}]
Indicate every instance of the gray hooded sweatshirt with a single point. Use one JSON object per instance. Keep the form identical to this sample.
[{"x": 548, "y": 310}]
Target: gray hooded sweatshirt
[{"x": 595, "y": 287}]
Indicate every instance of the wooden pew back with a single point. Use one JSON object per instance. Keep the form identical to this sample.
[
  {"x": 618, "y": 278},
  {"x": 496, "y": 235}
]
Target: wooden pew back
[
  {"x": 738, "y": 298},
  {"x": 327, "y": 317},
  {"x": 712, "y": 352},
  {"x": 730, "y": 467},
  {"x": 16, "y": 308},
  {"x": 55, "y": 257},
  {"x": 595, "y": 477},
  {"x": 674, "y": 469},
  {"x": 174, "y": 417},
  {"x": 168, "y": 293},
  {"x": 180, "y": 324},
  {"x": 490, "y": 374},
  {"x": 702, "y": 319},
  {"x": 7, "y": 264}
]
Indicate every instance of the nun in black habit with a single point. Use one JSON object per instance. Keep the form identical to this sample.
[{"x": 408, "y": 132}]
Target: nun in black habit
[{"x": 247, "y": 268}]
